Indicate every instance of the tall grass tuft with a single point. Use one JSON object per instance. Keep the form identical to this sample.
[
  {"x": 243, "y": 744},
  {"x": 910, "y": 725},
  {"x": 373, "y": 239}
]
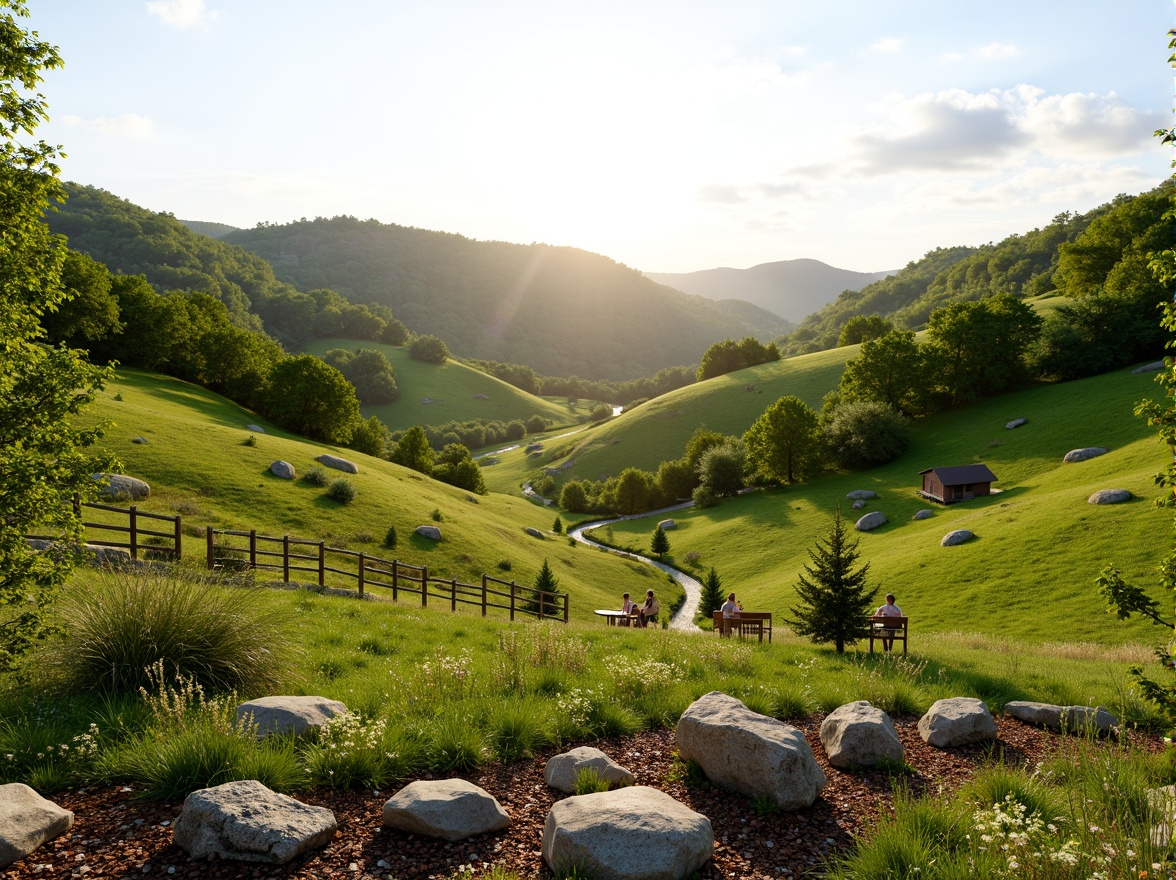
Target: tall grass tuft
[{"x": 223, "y": 638}]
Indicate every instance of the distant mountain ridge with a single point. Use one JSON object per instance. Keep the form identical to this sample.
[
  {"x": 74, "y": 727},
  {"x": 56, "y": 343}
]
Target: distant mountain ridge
[{"x": 791, "y": 289}]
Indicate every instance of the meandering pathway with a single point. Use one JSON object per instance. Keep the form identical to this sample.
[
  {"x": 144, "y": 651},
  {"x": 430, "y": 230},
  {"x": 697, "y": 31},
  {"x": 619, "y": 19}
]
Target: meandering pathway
[{"x": 683, "y": 619}]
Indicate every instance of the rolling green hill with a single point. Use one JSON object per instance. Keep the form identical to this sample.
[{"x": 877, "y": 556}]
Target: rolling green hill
[
  {"x": 455, "y": 392},
  {"x": 1039, "y": 545},
  {"x": 197, "y": 464}
]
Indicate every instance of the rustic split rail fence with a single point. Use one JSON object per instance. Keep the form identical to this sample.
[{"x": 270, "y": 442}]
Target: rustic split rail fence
[{"x": 228, "y": 549}]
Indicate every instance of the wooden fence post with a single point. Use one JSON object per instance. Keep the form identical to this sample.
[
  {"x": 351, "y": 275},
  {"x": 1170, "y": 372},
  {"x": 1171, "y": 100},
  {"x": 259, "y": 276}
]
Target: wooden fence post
[
  {"x": 565, "y": 598},
  {"x": 210, "y": 534},
  {"x": 483, "y": 595},
  {"x": 453, "y": 593},
  {"x": 424, "y": 585},
  {"x": 286, "y": 558},
  {"x": 542, "y": 601},
  {"x": 134, "y": 532},
  {"x": 179, "y": 539},
  {"x": 322, "y": 562},
  {"x": 395, "y": 569},
  {"x": 512, "y": 600},
  {"x": 362, "y": 565},
  {"x": 253, "y": 548}
]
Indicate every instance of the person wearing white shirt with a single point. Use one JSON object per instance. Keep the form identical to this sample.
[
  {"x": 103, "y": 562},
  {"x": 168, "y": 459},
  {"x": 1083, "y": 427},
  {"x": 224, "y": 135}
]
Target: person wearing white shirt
[{"x": 888, "y": 610}]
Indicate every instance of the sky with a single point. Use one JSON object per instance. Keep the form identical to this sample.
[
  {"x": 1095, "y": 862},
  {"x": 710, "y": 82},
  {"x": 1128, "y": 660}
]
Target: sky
[{"x": 670, "y": 136}]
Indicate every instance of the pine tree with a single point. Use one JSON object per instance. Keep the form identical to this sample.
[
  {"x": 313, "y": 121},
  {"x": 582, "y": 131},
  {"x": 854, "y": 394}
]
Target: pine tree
[
  {"x": 557, "y": 526},
  {"x": 659, "y": 544},
  {"x": 835, "y": 599},
  {"x": 547, "y": 582},
  {"x": 712, "y": 594}
]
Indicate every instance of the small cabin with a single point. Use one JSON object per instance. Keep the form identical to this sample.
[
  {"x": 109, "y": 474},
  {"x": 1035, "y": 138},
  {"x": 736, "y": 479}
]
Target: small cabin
[{"x": 947, "y": 485}]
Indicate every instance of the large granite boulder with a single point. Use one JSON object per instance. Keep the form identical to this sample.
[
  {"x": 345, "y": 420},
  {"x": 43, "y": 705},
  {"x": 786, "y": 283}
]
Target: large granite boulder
[
  {"x": 283, "y": 469},
  {"x": 339, "y": 464},
  {"x": 636, "y": 833},
  {"x": 533, "y": 532},
  {"x": 561, "y": 770},
  {"x": 290, "y": 714},
  {"x": 246, "y": 821},
  {"x": 959, "y": 536},
  {"x": 431, "y": 532},
  {"x": 27, "y": 820},
  {"x": 1015, "y": 423},
  {"x": 749, "y": 753},
  {"x": 1110, "y": 496},
  {"x": 1153, "y": 367},
  {"x": 870, "y": 521},
  {"x": 861, "y": 495},
  {"x": 256, "y": 429},
  {"x": 1072, "y": 719},
  {"x": 957, "y": 721},
  {"x": 449, "y": 809},
  {"x": 859, "y": 735},
  {"x": 122, "y": 488},
  {"x": 925, "y": 513},
  {"x": 1084, "y": 454},
  {"x": 667, "y": 525}
]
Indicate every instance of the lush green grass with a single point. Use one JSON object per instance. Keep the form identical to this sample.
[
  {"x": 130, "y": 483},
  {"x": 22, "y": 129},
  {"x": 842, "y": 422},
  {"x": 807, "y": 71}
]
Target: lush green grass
[
  {"x": 198, "y": 465},
  {"x": 453, "y": 390},
  {"x": 1029, "y": 572}
]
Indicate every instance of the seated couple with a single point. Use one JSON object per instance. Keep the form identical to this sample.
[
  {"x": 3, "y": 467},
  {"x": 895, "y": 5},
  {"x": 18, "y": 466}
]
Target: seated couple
[{"x": 645, "y": 613}]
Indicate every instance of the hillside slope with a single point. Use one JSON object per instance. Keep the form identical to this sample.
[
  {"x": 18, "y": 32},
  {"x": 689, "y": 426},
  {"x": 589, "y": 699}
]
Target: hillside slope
[{"x": 789, "y": 288}]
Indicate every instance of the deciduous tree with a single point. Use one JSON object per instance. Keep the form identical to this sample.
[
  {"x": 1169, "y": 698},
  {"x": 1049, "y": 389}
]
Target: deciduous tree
[
  {"x": 312, "y": 398},
  {"x": 783, "y": 443}
]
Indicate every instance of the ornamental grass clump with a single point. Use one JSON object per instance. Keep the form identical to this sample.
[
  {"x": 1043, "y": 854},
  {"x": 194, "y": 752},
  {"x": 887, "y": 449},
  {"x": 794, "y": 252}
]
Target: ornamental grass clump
[
  {"x": 341, "y": 490},
  {"x": 223, "y": 638}
]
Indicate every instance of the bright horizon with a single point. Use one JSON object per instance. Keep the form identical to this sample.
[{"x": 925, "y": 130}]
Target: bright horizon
[{"x": 670, "y": 136}]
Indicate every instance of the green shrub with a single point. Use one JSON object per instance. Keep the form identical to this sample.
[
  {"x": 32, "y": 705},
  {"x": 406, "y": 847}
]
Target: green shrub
[
  {"x": 390, "y": 538},
  {"x": 436, "y": 515},
  {"x": 251, "y": 440},
  {"x": 225, "y": 638},
  {"x": 341, "y": 490},
  {"x": 455, "y": 745},
  {"x": 316, "y": 476},
  {"x": 517, "y": 729},
  {"x": 349, "y": 752}
]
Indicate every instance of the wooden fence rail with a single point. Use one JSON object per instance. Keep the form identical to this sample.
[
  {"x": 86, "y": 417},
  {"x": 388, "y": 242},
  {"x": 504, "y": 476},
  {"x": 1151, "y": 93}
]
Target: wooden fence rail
[
  {"x": 365, "y": 571},
  {"x": 171, "y": 542}
]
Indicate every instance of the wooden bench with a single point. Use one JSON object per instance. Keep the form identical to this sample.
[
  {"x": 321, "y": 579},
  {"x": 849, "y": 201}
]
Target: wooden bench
[
  {"x": 748, "y": 622},
  {"x": 892, "y": 629}
]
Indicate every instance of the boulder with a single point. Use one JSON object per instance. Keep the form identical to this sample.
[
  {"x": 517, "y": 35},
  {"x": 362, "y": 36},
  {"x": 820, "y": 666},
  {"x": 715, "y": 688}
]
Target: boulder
[
  {"x": 123, "y": 488},
  {"x": 859, "y": 504},
  {"x": 870, "y": 521},
  {"x": 283, "y": 469},
  {"x": 959, "y": 536},
  {"x": 139, "y": 440},
  {"x": 1084, "y": 454},
  {"x": 100, "y": 556},
  {"x": 925, "y": 513},
  {"x": 27, "y": 820},
  {"x": 636, "y": 833},
  {"x": 1110, "y": 496},
  {"x": 749, "y": 753},
  {"x": 288, "y": 714},
  {"x": 861, "y": 494},
  {"x": 431, "y": 532},
  {"x": 1073, "y": 719},
  {"x": 1015, "y": 423},
  {"x": 667, "y": 525},
  {"x": 561, "y": 770},
  {"x": 449, "y": 809},
  {"x": 1153, "y": 367},
  {"x": 957, "y": 721},
  {"x": 339, "y": 464},
  {"x": 859, "y": 735},
  {"x": 533, "y": 532},
  {"x": 256, "y": 429},
  {"x": 246, "y": 821}
]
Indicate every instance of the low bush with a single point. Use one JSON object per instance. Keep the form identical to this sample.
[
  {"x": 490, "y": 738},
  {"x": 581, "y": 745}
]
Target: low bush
[
  {"x": 316, "y": 476},
  {"x": 225, "y": 638},
  {"x": 341, "y": 490}
]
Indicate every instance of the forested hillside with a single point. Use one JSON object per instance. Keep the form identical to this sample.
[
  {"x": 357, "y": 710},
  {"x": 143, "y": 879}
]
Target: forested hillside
[{"x": 560, "y": 310}]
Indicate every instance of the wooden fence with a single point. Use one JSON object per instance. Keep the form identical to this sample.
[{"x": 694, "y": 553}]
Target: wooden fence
[
  {"x": 170, "y": 544},
  {"x": 332, "y": 566}
]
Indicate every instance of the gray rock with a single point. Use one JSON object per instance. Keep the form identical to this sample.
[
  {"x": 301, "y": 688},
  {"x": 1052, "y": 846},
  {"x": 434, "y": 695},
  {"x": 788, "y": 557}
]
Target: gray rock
[
  {"x": 667, "y": 525},
  {"x": 859, "y": 504},
  {"x": 246, "y": 821},
  {"x": 290, "y": 714},
  {"x": 870, "y": 521},
  {"x": 139, "y": 440},
  {"x": 533, "y": 532},
  {"x": 1153, "y": 367},
  {"x": 959, "y": 536},
  {"x": 256, "y": 429},
  {"x": 1015, "y": 423},
  {"x": 859, "y": 735},
  {"x": 1073, "y": 719},
  {"x": 925, "y": 513},
  {"x": 283, "y": 469},
  {"x": 27, "y": 820},
  {"x": 636, "y": 833},
  {"x": 107, "y": 557},
  {"x": 339, "y": 464},
  {"x": 957, "y": 721},
  {"x": 123, "y": 488},
  {"x": 431, "y": 532},
  {"x": 861, "y": 494},
  {"x": 1110, "y": 496},
  {"x": 449, "y": 809},
  {"x": 1084, "y": 454},
  {"x": 749, "y": 753},
  {"x": 561, "y": 770}
]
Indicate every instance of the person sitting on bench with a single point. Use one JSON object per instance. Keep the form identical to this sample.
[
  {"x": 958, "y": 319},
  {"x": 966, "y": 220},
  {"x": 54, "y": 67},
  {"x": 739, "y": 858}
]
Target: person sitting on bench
[
  {"x": 888, "y": 610},
  {"x": 648, "y": 611}
]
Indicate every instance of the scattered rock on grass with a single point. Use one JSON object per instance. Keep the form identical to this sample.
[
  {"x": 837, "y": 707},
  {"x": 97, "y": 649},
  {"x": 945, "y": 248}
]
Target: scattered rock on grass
[
  {"x": 283, "y": 469},
  {"x": 667, "y": 524},
  {"x": 339, "y": 464},
  {"x": 431, "y": 532},
  {"x": 290, "y": 714},
  {"x": 533, "y": 532},
  {"x": 1109, "y": 496},
  {"x": 256, "y": 429},
  {"x": 1153, "y": 367},
  {"x": 871, "y": 521},
  {"x": 1084, "y": 454},
  {"x": 925, "y": 513},
  {"x": 1015, "y": 423},
  {"x": 862, "y": 494},
  {"x": 959, "y": 536},
  {"x": 123, "y": 488},
  {"x": 1072, "y": 719}
]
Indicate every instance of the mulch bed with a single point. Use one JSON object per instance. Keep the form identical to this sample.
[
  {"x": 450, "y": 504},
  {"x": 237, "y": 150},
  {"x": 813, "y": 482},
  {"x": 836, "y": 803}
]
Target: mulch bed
[{"x": 118, "y": 834}]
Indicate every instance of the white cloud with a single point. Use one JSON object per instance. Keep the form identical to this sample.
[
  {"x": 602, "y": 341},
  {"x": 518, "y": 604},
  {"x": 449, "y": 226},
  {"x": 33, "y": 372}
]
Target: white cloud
[
  {"x": 182, "y": 13},
  {"x": 987, "y": 52},
  {"x": 128, "y": 125},
  {"x": 886, "y": 46}
]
